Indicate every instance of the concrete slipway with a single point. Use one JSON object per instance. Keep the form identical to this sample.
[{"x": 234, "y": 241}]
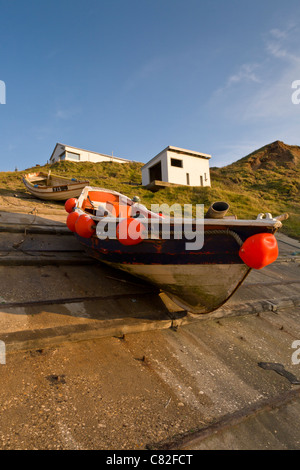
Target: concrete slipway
[{"x": 98, "y": 360}]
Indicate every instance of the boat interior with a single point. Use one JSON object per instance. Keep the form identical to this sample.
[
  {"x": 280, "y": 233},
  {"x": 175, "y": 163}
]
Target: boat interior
[
  {"x": 102, "y": 201},
  {"x": 46, "y": 179}
]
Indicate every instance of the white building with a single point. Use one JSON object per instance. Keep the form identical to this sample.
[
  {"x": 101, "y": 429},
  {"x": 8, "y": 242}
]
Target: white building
[
  {"x": 63, "y": 152},
  {"x": 177, "y": 166}
]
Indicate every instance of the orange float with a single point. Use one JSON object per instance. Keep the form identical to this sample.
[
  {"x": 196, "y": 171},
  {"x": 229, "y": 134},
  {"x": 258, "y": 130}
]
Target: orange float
[
  {"x": 259, "y": 250},
  {"x": 70, "y": 204},
  {"x": 85, "y": 226},
  {"x": 71, "y": 220},
  {"x": 130, "y": 231}
]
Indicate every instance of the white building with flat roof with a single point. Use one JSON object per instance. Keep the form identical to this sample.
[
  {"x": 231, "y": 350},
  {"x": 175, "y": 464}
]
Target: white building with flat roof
[
  {"x": 63, "y": 152},
  {"x": 177, "y": 166}
]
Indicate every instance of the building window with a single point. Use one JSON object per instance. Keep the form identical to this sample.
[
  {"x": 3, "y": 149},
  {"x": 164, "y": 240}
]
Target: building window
[
  {"x": 176, "y": 162},
  {"x": 201, "y": 180},
  {"x": 205, "y": 177},
  {"x": 188, "y": 179},
  {"x": 73, "y": 156}
]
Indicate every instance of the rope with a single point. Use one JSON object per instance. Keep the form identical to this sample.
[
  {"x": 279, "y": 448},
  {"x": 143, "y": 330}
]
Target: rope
[{"x": 227, "y": 232}]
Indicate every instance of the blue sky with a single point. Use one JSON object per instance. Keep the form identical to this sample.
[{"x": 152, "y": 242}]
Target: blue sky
[{"x": 134, "y": 76}]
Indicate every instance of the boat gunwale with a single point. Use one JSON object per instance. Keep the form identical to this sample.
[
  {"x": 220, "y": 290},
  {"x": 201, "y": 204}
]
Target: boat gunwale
[
  {"x": 43, "y": 187},
  {"x": 272, "y": 223},
  {"x": 223, "y": 223}
]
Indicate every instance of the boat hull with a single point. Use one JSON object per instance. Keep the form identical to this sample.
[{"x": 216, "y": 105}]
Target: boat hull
[
  {"x": 197, "y": 288},
  {"x": 49, "y": 194},
  {"x": 197, "y": 281},
  {"x": 54, "y": 188},
  {"x": 196, "y": 262}
]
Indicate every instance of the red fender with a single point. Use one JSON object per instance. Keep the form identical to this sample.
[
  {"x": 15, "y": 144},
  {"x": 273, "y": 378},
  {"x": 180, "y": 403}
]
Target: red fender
[
  {"x": 71, "y": 220},
  {"x": 85, "y": 226},
  {"x": 130, "y": 231},
  {"x": 259, "y": 250},
  {"x": 70, "y": 204}
]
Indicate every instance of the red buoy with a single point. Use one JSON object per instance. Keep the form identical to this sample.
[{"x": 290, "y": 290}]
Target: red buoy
[
  {"x": 130, "y": 231},
  {"x": 70, "y": 204},
  {"x": 71, "y": 220},
  {"x": 85, "y": 226},
  {"x": 259, "y": 250}
]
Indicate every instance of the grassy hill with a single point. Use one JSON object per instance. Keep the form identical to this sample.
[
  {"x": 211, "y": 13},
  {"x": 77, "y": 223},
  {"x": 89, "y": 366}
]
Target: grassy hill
[{"x": 267, "y": 180}]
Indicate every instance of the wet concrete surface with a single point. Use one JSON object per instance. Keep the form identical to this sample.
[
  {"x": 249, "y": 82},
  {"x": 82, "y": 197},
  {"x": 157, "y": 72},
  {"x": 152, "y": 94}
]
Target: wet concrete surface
[{"x": 97, "y": 360}]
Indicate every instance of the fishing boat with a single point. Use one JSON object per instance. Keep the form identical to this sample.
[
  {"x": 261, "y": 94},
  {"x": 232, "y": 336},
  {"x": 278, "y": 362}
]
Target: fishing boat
[
  {"x": 199, "y": 278},
  {"x": 52, "y": 187}
]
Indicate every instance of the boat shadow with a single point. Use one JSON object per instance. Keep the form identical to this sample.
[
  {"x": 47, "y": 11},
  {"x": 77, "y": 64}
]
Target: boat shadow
[
  {"x": 54, "y": 278},
  {"x": 123, "y": 299}
]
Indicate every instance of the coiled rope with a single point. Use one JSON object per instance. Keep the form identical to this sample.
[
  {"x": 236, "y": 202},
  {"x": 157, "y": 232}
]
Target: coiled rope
[{"x": 227, "y": 232}]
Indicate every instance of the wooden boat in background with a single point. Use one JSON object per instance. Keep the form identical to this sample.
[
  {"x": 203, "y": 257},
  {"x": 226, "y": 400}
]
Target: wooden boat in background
[
  {"x": 53, "y": 188},
  {"x": 198, "y": 280}
]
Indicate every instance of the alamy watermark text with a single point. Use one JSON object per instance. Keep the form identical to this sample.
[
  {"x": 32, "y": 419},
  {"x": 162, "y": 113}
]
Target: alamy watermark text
[
  {"x": 2, "y": 92},
  {"x": 154, "y": 227},
  {"x": 2, "y": 353},
  {"x": 296, "y": 354},
  {"x": 296, "y": 94}
]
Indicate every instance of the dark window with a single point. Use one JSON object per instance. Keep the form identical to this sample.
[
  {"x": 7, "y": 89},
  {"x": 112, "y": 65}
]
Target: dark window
[
  {"x": 155, "y": 172},
  {"x": 176, "y": 162},
  {"x": 188, "y": 179}
]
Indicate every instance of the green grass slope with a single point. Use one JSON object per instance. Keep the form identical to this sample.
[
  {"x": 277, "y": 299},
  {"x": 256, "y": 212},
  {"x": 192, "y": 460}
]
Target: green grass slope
[{"x": 267, "y": 180}]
